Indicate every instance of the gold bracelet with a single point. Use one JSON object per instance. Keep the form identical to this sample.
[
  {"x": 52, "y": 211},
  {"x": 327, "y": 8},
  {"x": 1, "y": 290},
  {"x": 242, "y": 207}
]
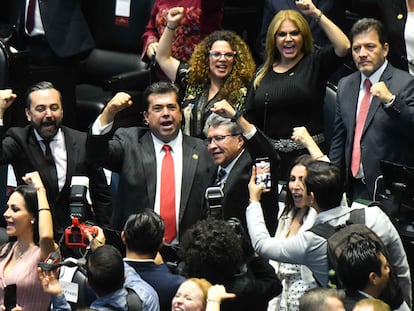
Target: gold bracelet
[
  {"x": 318, "y": 18},
  {"x": 44, "y": 209},
  {"x": 171, "y": 28},
  {"x": 320, "y": 157}
]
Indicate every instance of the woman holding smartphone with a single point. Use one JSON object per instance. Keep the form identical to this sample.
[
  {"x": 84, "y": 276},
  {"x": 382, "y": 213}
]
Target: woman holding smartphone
[{"x": 30, "y": 231}]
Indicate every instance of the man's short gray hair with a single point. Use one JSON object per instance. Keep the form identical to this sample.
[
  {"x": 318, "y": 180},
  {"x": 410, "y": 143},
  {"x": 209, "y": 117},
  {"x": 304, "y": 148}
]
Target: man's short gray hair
[{"x": 216, "y": 120}]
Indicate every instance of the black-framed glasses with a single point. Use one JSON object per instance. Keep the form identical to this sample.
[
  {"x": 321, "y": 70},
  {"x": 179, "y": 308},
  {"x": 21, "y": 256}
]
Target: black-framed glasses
[
  {"x": 218, "y": 139},
  {"x": 218, "y": 55},
  {"x": 283, "y": 34}
]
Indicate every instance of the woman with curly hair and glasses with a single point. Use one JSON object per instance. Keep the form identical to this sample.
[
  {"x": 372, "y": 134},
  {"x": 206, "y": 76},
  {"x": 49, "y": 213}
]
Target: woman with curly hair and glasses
[{"x": 219, "y": 69}]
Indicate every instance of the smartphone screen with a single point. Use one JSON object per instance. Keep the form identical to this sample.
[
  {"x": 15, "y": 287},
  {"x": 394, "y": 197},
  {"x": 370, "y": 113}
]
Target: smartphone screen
[
  {"x": 263, "y": 172},
  {"x": 10, "y": 296}
]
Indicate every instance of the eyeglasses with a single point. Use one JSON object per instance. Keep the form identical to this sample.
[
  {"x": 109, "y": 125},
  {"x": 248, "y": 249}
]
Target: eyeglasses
[
  {"x": 218, "y": 55},
  {"x": 283, "y": 34},
  {"x": 218, "y": 139}
]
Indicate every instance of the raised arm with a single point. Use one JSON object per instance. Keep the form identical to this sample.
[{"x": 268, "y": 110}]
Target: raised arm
[
  {"x": 45, "y": 222},
  {"x": 7, "y": 97},
  {"x": 301, "y": 135},
  {"x": 164, "y": 57},
  {"x": 337, "y": 37}
]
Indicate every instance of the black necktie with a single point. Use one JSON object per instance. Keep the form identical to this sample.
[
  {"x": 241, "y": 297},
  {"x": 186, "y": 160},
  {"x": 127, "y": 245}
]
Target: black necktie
[
  {"x": 52, "y": 166},
  {"x": 220, "y": 176}
]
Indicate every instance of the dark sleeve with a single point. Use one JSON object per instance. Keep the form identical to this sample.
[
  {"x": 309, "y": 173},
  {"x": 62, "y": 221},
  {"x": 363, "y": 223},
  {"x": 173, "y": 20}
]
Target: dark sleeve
[
  {"x": 337, "y": 148},
  {"x": 105, "y": 151},
  {"x": 100, "y": 195},
  {"x": 264, "y": 284}
]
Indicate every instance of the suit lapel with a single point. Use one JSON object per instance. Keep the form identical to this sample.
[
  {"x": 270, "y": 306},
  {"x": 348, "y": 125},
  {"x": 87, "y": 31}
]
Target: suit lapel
[
  {"x": 354, "y": 85},
  {"x": 72, "y": 154},
  {"x": 190, "y": 162},
  {"x": 39, "y": 162},
  {"x": 375, "y": 103},
  {"x": 238, "y": 169},
  {"x": 149, "y": 165}
]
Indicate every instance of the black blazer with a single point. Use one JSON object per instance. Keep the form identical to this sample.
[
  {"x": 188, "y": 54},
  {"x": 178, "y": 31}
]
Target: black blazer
[
  {"x": 21, "y": 149},
  {"x": 236, "y": 193},
  {"x": 387, "y": 133},
  {"x": 65, "y": 27},
  {"x": 130, "y": 152}
]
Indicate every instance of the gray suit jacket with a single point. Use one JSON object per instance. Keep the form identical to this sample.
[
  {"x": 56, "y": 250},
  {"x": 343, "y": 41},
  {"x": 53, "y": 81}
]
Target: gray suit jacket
[
  {"x": 131, "y": 154},
  {"x": 388, "y": 133}
]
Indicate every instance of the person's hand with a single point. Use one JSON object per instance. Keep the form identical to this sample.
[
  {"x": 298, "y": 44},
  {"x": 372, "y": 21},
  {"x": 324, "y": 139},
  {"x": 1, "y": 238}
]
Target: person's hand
[
  {"x": 174, "y": 16},
  {"x": 224, "y": 109},
  {"x": 16, "y": 308},
  {"x": 34, "y": 179},
  {"x": 152, "y": 49},
  {"x": 301, "y": 135},
  {"x": 217, "y": 293},
  {"x": 7, "y": 98},
  {"x": 256, "y": 190},
  {"x": 95, "y": 241},
  {"x": 307, "y": 8},
  {"x": 119, "y": 102},
  {"x": 381, "y": 91},
  {"x": 49, "y": 282}
]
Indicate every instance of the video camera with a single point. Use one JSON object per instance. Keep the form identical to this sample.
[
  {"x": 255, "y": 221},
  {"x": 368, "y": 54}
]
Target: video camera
[{"x": 74, "y": 234}]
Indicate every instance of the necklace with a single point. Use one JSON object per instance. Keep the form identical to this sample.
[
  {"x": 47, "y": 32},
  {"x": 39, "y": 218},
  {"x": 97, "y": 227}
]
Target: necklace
[{"x": 18, "y": 254}]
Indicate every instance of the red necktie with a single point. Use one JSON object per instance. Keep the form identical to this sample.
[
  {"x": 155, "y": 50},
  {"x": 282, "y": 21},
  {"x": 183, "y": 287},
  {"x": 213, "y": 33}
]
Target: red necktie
[
  {"x": 30, "y": 16},
  {"x": 167, "y": 195},
  {"x": 362, "y": 115}
]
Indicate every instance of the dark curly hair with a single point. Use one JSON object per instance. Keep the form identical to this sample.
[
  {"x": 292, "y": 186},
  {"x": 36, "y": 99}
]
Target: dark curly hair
[
  {"x": 243, "y": 68},
  {"x": 211, "y": 249}
]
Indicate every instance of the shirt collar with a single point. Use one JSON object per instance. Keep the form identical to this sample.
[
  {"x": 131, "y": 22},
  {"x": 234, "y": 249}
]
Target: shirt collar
[
  {"x": 57, "y": 137},
  {"x": 374, "y": 77},
  {"x": 177, "y": 141}
]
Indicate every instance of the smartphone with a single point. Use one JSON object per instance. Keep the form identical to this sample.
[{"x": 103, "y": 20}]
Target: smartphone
[
  {"x": 263, "y": 172},
  {"x": 10, "y": 296}
]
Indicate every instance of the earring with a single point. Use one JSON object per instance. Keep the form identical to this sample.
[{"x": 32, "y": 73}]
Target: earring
[{"x": 32, "y": 221}]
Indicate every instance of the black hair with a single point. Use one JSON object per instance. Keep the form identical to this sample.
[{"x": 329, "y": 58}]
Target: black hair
[
  {"x": 211, "y": 249},
  {"x": 160, "y": 88},
  {"x": 305, "y": 160},
  {"x": 325, "y": 180},
  {"x": 357, "y": 261},
  {"x": 28, "y": 192},
  {"x": 367, "y": 24},
  {"x": 144, "y": 232},
  {"x": 43, "y": 85},
  {"x": 105, "y": 270}
]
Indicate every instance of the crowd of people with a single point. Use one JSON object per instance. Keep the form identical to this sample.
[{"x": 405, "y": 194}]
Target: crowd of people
[{"x": 191, "y": 226}]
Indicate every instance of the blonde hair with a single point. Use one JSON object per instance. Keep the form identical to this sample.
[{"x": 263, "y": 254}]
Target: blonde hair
[
  {"x": 203, "y": 285},
  {"x": 272, "y": 53},
  {"x": 377, "y": 304}
]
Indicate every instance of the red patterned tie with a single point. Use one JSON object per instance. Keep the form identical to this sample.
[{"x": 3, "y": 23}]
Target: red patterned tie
[
  {"x": 30, "y": 16},
  {"x": 167, "y": 197},
  {"x": 362, "y": 115}
]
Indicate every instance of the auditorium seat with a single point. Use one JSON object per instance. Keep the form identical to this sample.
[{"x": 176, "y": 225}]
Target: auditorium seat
[{"x": 114, "y": 65}]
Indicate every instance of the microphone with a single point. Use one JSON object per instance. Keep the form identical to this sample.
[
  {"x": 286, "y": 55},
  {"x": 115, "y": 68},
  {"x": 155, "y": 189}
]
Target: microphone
[{"x": 266, "y": 103}]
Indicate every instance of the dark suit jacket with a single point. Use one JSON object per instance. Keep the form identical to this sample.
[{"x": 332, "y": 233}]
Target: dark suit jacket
[
  {"x": 65, "y": 27},
  {"x": 236, "y": 193},
  {"x": 351, "y": 298},
  {"x": 388, "y": 132},
  {"x": 131, "y": 154},
  {"x": 393, "y": 14},
  {"x": 160, "y": 278},
  {"x": 21, "y": 149}
]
